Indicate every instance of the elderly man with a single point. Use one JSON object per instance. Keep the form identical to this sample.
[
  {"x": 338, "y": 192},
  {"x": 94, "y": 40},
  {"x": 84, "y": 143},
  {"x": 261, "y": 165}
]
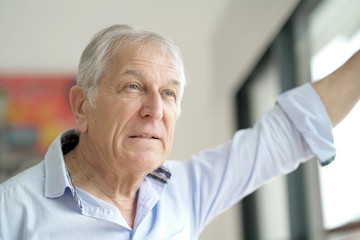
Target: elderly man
[{"x": 108, "y": 179}]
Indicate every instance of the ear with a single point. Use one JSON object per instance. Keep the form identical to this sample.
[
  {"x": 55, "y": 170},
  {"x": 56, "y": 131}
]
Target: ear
[{"x": 78, "y": 103}]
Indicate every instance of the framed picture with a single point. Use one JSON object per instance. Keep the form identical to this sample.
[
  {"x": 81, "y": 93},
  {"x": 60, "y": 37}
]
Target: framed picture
[{"x": 34, "y": 109}]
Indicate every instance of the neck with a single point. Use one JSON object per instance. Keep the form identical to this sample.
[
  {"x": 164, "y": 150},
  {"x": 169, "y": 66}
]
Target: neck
[
  {"x": 111, "y": 184},
  {"x": 101, "y": 179}
]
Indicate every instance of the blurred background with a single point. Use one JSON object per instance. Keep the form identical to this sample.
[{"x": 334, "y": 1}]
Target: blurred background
[{"x": 239, "y": 55}]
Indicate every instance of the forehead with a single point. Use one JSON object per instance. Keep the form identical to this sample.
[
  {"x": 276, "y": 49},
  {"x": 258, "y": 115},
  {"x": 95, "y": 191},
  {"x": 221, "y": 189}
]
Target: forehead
[{"x": 145, "y": 55}]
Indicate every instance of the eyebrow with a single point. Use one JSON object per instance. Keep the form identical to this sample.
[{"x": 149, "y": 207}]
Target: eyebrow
[{"x": 134, "y": 72}]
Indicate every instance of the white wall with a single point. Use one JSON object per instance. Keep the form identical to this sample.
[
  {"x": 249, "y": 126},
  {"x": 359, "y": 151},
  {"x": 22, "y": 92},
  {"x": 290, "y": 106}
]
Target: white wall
[{"x": 220, "y": 42}]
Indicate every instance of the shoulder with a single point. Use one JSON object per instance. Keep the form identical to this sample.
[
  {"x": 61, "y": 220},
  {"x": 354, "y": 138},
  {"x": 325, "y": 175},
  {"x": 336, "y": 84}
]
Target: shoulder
[{"x": 28, "y": 176}]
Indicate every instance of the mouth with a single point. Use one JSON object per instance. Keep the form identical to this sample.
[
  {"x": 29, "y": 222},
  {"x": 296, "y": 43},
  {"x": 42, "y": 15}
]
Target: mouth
[{"x": 144, "y": 136}]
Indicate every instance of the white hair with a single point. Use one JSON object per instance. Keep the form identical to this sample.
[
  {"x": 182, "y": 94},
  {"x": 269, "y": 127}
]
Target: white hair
[{"x": 97, "y": 56}]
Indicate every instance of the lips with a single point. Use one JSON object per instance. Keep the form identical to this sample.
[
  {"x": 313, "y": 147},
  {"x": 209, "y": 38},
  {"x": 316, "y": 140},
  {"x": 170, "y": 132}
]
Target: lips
[{"x": 144, "y": 136}]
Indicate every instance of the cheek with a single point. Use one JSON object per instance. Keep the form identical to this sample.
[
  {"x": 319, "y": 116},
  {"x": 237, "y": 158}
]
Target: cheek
[
  {"x": 105, "y": 121},
  {"x": 170, "y": 127}
]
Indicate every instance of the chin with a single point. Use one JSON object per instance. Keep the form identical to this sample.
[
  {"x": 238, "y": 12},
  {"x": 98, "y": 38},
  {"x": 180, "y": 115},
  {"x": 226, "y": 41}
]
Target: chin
[{"x": 148, "y": 162}]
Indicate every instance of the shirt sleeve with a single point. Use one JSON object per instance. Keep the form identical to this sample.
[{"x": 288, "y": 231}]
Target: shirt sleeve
[
  {"x": 296, "y": 129},
  {"x": 305, "y": 109}
]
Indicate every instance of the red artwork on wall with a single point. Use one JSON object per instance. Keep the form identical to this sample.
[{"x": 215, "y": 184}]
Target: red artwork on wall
[{"x": 34, "y": 109}]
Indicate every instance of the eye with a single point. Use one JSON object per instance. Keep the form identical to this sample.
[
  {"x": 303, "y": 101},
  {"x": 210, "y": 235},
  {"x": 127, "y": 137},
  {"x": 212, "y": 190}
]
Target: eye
[
  {"x": 169, "y": 94},
  {"x": 132, "y": 86}
]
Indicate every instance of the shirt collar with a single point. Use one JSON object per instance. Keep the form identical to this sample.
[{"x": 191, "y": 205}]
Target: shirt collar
[{"x": 55, "y": 170}]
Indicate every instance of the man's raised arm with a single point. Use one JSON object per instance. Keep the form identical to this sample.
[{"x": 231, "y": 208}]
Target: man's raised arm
[{"x": 340, "y": 91}]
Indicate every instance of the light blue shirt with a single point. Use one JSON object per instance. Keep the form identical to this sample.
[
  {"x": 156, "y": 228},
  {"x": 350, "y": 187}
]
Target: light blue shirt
[{"x": 42, "y": 202}]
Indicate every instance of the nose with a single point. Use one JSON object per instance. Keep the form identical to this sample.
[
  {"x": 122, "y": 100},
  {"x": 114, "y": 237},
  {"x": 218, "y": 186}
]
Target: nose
[{"x": 152, "y": 106}]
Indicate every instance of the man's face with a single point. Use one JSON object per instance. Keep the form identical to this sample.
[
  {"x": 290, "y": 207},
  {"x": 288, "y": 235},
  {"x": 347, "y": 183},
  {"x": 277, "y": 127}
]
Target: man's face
[{"x": 136, "y": 110}]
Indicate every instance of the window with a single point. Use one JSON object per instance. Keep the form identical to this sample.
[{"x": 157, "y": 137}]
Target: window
[
  {"x": 334, "y": 31},
  {"x": 324, "y": 35},
  {"x": 339, "y": 180}
]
